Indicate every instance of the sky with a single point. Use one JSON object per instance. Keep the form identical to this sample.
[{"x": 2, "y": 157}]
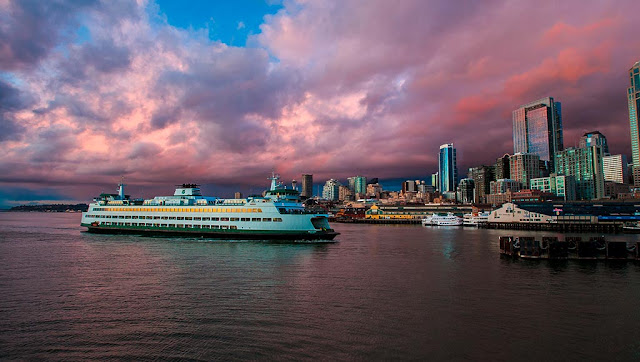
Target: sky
[{"x": 222, "y": 93}]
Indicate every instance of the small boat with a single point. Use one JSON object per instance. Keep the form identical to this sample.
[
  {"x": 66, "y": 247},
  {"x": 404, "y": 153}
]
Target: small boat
[{"x": 476, "y": 220}]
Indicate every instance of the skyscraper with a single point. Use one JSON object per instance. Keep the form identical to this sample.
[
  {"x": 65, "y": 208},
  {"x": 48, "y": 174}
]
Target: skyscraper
[
  {"x": 331, "y": 190},
  {"x": 524, "y": 167},
  {"x": 447, "y": 168},
  {"x": 358, "y": 184},
  {"x": 482, "y": 177},
  {"x": 307, "y": 185},
  {"x": 585, "y": 164},
  {"x": 502, "y": 167},
  {"x": 633, "y": 100},
  {"x": 537, "y": 129},
  {"x": 594, "y": 138},
  {"x": 615, "y": 168}
]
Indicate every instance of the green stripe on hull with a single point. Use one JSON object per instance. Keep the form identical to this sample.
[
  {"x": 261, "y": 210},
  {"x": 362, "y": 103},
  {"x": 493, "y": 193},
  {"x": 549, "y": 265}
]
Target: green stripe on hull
[{"x": 214, "y": 233}]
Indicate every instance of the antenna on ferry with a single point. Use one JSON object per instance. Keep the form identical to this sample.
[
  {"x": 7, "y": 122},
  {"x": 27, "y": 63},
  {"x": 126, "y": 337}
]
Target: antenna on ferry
[{"x": 274, "y": 180}]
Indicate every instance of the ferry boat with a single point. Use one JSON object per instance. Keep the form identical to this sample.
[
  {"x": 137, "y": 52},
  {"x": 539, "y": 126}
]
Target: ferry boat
[
  {"x": 437, "y": 220},
  {"x": 279, "y": 214},
  {"x": 476, "y": 220}
]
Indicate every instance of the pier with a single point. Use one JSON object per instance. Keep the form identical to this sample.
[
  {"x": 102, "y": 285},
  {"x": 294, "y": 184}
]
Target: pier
[{"x": 572, "y": 248}]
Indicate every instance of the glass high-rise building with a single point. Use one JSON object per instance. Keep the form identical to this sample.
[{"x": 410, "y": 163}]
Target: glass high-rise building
[
  {"x": 633, "y": 100},
  {"x": 447, "y": 168},
  {"x": 585, "y": 164},
  {"x": 537, "y": 129},
  {"x": 594, "y": 138}
]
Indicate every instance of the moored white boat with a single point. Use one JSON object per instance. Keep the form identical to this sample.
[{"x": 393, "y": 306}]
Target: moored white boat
[{"x": 438, "y": 220}]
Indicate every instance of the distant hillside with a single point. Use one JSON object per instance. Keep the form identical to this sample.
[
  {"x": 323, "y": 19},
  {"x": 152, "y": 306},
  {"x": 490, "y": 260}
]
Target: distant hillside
[{"x": 50, "y": 208}]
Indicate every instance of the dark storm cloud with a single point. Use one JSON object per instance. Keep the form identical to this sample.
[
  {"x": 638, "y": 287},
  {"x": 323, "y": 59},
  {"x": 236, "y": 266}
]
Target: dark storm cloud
[{"x": 11, "y": 100}]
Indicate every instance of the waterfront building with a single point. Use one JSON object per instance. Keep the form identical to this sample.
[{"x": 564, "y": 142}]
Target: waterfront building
[
  {"x": 633, "y": 101},
  {"x": 561, "y": 186},
  {"x": 537, "y": 129},
  {"x": 482, "y": 177},
  {"x": 585, "y": 164},
  {"x": 615, "y": 168},
  {"x": 594, "y": 138},
  {"x": 465, "y": 191},
  {"x": 524, "y": 167},
  {"x": 503, "y": 185},
  {"x": 447, "y": 169},
  {"x": 498, "y": 199},
  {"x": 502, "y": 167},
  {"x": 307, "y": 185},
  {"x": 331, "y": 190},
  {"x": 532, "y": 196}
]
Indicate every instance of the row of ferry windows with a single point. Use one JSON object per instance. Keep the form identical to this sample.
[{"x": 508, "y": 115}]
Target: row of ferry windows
[
  {"x": 264, "y": 219},
  {"x": 179, "y": 209},
  {"x": 231, "y": 227}
]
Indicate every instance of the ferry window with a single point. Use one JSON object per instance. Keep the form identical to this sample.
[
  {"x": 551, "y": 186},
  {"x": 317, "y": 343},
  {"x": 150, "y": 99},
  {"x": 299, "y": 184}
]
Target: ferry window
[
  {"x": 180, "y": 218},
  {"x": 233, "y": 227},
  {"x": 188, "y": 218},
  {"x": 172, "y": 225},
  {"x": 245, "y": 219},
  {"x": 156, "y": 217},
  {"x": 206, "y": 219},
  {"x": 224, "y": 227},
  {"x": 127, "y": 217},
  {"x": 196, "y": 218},
  {"x": 205, "y": 226},
  {"x": 267, "y": 219},
  {"x": 277, "y": 219},
  {"x": 215, "y": 227},
  {"x": 235, "y": 219},
  {"x": 215, "y": 219},
  {"x": 180, "y": 225},
  {"x": 255, "y": 219},
  {"x": 172, "y": 218},
  {"x": 224, "y": 219}
]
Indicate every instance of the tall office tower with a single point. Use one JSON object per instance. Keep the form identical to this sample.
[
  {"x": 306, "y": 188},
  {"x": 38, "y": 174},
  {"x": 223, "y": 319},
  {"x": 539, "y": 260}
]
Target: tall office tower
[
  {"x": 585, "y": 164},
  {"x": 537, "y": 129},
  {"x": 435, "y": 181},
  {"x": 524, "y": 167},
  {"x": 594, "y": 138},
  {"x": 633, "y": 100},
  {"x": 465, "y": 191},
  {"x": 331, "y": 190},
  {"x": 307, "y": 185},
  {"x": 615, "y": 168},
  {"x": 482, "y": 177},
  {"x": 502, "y": 167},
  {"x": 358, "y": 184},
  {"x": 447, "y": 168}
]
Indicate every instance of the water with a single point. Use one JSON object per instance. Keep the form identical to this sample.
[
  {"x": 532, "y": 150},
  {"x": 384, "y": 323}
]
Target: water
[{"x": 382, "y": 292}]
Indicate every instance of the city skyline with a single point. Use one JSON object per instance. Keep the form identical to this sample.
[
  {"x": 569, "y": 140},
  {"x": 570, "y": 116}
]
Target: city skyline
[{"x": 160, "y": 93}]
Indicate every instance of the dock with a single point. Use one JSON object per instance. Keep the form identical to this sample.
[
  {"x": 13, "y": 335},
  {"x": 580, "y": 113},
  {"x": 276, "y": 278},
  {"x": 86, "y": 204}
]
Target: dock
[{"x": 572, "y": 248}]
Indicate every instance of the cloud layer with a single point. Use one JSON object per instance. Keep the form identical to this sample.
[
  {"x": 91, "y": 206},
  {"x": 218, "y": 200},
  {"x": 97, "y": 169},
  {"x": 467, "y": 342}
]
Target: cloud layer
[{"x": 94, "y": 90}]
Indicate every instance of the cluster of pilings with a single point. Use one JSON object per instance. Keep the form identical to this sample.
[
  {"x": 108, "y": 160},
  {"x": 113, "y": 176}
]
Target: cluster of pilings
[
  {"x": 573, "y": 247},
  {"x": 560, "y": 226}
]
